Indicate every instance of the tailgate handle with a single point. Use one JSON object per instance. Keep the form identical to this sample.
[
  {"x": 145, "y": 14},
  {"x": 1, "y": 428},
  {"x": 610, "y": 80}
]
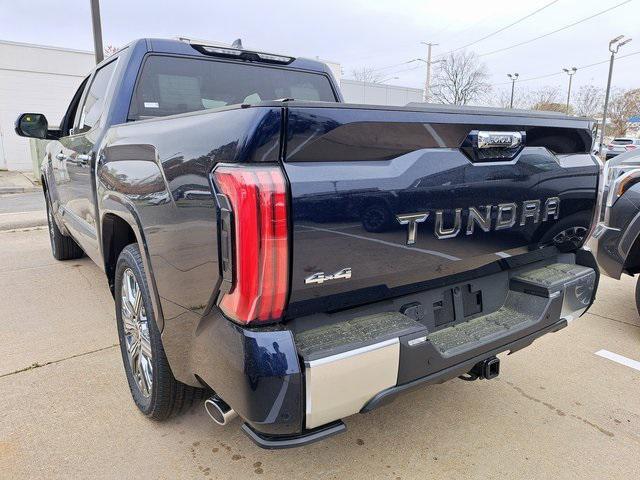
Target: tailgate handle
[
  {"x": 492, "y": 146},
  {"x": 499, "y": 139}
]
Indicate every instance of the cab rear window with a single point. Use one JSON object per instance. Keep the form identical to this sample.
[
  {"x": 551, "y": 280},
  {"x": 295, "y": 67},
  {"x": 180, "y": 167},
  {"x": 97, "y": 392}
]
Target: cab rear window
[
  {"x": 622, "y": 141},
  {"x": 172, "y": 85}
]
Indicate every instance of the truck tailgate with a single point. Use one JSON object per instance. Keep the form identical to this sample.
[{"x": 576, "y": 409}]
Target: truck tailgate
[{"x": 354, "y": 170}]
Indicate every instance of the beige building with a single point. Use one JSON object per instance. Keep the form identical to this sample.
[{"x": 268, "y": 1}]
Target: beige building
[{"x": 35, "y": 78}]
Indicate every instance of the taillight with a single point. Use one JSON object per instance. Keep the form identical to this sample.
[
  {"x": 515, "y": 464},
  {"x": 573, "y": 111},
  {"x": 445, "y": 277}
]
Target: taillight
[
  {"x": 623, "y": 183},
  {"x": 628, "y": 148},
  {"x": 610, "y": 146},
  {"x": 260, "y": 245}
]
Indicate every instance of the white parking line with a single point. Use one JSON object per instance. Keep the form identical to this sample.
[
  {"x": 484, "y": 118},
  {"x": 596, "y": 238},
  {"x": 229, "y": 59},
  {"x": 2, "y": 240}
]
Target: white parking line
[{"x": 614, "y": 357}]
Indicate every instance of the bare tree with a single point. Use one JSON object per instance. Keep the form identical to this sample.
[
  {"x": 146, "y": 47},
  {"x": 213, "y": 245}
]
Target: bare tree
[
  {"x": 502, "y": 98},
  {"x": 623, "y": 105},
  {"x": 461, "y": 78},
  {"x": 543, "y": 97},
  {"x": 588, "y": 101},
  {"x": 367, "y": 74},
  {"x": 553, "y": 107}
]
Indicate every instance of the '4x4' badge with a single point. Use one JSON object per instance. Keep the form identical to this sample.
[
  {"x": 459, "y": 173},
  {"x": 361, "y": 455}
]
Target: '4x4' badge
[{"x": 321, "y": 277}]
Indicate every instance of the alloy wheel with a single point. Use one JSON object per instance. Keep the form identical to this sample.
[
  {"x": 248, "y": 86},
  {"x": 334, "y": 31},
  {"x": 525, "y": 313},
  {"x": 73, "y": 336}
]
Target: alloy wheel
[
  {"x": 136, "y": 333},
  {"x": 574, "y": 235},
  {"x": 51, "y": 224}
]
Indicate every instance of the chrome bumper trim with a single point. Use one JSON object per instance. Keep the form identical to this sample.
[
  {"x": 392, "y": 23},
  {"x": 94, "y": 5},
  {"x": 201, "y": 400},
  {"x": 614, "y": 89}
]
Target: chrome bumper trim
[{"x": 340, "y": 385}]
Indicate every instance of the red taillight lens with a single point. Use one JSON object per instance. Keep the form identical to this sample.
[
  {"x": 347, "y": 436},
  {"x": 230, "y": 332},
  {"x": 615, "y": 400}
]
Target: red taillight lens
[
  {"x": 610, "y": 146},
  {"x": 628, "y": 148},
  {"x": 258, "y": 199}
]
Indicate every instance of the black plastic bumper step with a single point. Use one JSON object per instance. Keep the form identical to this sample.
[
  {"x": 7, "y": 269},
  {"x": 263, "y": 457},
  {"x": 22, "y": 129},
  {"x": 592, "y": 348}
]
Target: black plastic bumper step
[
  {"x": 358, "y": 332},
  {"x": 545, "y": 281},
  {"x": 528, "y": 296},
  {"x": 519, "y": 310}
]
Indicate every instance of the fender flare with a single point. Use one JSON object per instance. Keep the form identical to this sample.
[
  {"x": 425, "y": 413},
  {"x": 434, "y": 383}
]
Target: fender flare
[{"x": 119, "y": 205}]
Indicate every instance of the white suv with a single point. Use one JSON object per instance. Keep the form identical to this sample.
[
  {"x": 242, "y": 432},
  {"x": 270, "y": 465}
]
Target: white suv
[{"x": 621, "y": 145}]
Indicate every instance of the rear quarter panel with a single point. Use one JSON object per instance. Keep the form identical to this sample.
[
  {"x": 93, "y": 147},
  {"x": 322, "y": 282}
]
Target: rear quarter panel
[{"x": 159, "y": 170}]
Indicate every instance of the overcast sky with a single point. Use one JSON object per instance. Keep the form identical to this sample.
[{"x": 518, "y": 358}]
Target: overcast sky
[{"x": 359, "y": 33}]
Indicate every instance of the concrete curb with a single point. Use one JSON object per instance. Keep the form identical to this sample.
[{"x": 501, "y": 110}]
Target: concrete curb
[
  {"x": 5, "y": 190},
  {"x": 17, "y": 182},
  {"x": 15, "y": 221}
]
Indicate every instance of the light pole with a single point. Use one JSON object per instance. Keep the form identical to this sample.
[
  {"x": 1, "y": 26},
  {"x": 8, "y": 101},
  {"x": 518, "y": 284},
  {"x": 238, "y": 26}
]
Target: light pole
[
  {"x": 571, "y": 72},
  {"x": 513, "y": 77},
  {"x": 429, "y": 62},
  {"x": 614, "y": 46},
  {"x": 427, "y": 83},
  {"x": 97, "y": 30}
]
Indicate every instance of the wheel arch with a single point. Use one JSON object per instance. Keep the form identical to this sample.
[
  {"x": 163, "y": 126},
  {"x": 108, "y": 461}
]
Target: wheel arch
[
  {"x": 116, "y": 235},
  {"x": 632, "y": 260},
  {"x": 120, "y": 226}
]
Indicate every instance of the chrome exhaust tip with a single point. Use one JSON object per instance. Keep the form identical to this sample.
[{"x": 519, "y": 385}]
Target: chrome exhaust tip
[{"x": 218, "y": 410}]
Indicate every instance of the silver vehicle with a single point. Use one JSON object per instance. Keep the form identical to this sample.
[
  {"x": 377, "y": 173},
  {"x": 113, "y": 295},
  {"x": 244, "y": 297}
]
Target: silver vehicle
[
  {"x": 615, "y": 241},
  {"x": 621, "y": 145}
]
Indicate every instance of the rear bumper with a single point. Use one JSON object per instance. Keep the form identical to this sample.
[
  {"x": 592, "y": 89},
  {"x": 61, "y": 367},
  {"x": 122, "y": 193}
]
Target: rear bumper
[
  {"x": 293, "y": 388},
  {"x": 454, "y": 371}
]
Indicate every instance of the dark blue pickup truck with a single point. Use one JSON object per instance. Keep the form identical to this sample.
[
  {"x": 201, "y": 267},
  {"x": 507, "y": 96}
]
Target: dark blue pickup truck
[{"x": 292, "y": 259}]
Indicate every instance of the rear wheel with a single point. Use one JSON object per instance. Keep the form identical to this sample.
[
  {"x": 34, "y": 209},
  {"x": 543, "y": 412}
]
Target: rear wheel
[
  {"x": 377, "y": 218},
  {"x": 63, "y": 247},
  {"x": 569, "y": 233},
  {"x": 572, "y": 235},
  {"x": 638, "y": 295},
  {"x": 153, "y": 387}
]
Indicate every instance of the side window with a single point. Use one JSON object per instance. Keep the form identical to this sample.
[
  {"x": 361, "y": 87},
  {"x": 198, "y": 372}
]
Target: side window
[
  {"x": 70, "y": 115},
  {"x": 95, "y": 99}
]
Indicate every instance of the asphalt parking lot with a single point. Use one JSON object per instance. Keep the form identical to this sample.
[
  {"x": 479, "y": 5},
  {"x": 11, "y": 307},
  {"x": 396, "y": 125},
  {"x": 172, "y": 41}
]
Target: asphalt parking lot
[{"x": 556, "y": 411}]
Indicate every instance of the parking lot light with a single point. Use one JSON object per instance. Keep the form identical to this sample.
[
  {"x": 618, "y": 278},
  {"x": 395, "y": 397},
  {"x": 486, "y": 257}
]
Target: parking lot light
[
  {"x": 571, "y": 72},
  {"x": 614, "y": 46},
  {"x": 513, "y": 77}
]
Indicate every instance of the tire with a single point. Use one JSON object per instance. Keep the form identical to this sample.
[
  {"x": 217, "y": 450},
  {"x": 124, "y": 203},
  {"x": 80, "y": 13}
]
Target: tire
[
  {"x": 153, "y": 387},
  {"x": 638, "y": 295},
  {"x": 377, "y": 218},
  {"x": 569, "y": 233},
  {"x": 63, "y": 247}
]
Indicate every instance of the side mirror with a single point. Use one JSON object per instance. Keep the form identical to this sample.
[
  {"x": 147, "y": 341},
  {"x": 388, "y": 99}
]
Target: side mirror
[{"x": 32, "y": 125}]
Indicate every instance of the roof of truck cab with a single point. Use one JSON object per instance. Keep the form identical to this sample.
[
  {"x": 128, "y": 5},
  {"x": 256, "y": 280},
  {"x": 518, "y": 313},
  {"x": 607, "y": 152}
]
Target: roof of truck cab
[{"x": 183, "y": 47}]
